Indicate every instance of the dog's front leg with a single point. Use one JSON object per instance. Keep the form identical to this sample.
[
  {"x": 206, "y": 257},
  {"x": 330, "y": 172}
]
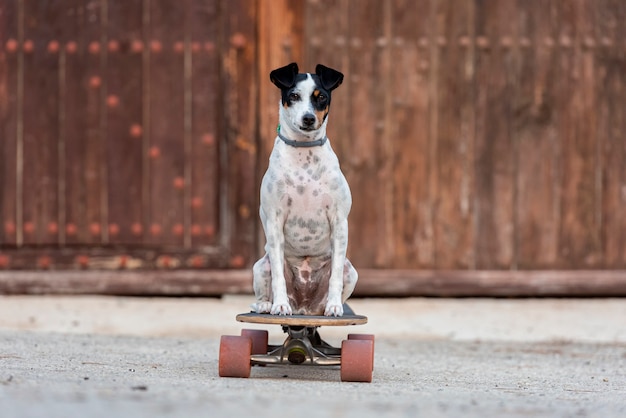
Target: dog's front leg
[
  {"x": 275, "y": 249},
  {"x": 339, "y": 243}
]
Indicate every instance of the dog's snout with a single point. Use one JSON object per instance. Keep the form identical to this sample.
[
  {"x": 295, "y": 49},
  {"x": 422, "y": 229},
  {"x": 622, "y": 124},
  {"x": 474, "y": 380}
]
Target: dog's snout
[{"x": 308, "y": 119}]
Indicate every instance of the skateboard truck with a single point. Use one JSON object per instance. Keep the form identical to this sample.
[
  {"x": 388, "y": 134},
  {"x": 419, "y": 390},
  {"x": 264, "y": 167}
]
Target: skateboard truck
[{"x": 303, "y": 345}]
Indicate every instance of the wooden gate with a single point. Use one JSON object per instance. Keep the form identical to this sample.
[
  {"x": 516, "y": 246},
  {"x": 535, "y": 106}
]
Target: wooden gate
[{"x": 128, "y": 134}]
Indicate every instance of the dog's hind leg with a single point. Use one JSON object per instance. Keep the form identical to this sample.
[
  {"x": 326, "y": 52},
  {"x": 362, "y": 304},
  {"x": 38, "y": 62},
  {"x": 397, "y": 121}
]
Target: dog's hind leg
[{"x": 262, "y": 284}]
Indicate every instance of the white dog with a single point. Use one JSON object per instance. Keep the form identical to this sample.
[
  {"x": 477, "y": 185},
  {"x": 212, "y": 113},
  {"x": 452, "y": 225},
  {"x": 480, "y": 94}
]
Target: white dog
[{"x": 305, "y": 201}]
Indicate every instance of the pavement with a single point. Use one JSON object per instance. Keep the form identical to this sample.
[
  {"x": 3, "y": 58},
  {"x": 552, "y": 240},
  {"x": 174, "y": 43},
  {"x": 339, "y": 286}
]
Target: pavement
[{"x": 157, "y": 357}]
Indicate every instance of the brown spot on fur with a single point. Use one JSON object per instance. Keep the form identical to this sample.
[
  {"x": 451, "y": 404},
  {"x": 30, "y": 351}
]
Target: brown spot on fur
[{"x": 321, "y": 114}]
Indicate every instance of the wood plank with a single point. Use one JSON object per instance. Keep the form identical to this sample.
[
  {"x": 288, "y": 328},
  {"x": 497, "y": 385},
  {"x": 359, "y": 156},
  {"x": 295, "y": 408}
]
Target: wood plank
[
  {"x": 166, "y": 123},
  {"x": 42, "y": 24},
  {"x": 360, "y": 150},
  {"x": 9, "y": 114},
  {"x": 95, "y": 168},
  {"x": 453, "y": 133},
  {"x": 125, "y": 132},
  {"x": 378, "y": 283},
  {"x": 611, "y": 87},
  {"x": 579, "y": 243},
  {"x": 496, "y": 78},
  {"x": 409, "y": 81},
  {"x": 327, "y": 40},
  {"x": 204, "y": 168},
  {"x": 535, "y": 131},
  {"x": 240, "y": 104}
]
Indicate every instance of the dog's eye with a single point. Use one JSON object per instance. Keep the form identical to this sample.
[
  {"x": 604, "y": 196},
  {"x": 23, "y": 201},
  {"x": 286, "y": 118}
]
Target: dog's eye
[{"x": 294, "y": 97}]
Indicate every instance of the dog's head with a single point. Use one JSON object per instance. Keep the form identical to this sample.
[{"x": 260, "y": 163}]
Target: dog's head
[{"x": 305, "y": 98}]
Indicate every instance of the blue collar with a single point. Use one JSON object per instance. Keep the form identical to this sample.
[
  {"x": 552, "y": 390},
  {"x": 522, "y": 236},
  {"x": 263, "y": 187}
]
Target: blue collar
[{"x": 301, "y": 144}]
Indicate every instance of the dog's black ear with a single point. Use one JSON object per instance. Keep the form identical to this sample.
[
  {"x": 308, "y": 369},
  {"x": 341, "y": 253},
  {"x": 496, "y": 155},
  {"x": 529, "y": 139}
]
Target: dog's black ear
[
  {"x": 285, "y": 77},
  {"x": 330, "y": 79}
]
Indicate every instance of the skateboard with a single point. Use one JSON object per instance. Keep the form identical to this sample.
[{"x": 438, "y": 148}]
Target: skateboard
[{"x": 303, "y": 346}]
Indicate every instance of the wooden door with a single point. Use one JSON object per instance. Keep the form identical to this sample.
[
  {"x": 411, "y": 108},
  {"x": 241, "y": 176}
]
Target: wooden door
[{"x": 128, "y": 134}]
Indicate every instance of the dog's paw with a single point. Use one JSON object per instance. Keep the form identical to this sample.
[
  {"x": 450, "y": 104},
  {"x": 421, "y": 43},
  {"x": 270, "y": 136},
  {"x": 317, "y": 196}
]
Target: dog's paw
[
  {"x": 281, "y": 309},
  {"x": 333, "y": 310},
  {"x": 262, "y": 307}
]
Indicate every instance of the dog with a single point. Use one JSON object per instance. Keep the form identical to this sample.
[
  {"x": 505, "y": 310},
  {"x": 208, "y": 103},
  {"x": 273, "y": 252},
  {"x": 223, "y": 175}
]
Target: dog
[{"x": 304, "y": 207}]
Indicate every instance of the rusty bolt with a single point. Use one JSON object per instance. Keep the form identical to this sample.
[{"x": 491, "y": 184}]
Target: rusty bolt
[
  {"x": 208, "y": 139},
  {"x": 482, "y": 42},
  {"x": 12, "y": 45},
  {"x": 95, "y": 81},
  {"x": 238, "y": 41},
  {"x": 94, "y": 47},
  {"x": 196, "y": 261},
  {"x": 113, "y": 45},
  {"x": 53, "y": 47},
  {"x": 154, "y": 152},
  {"x": 5, "y": 260},
  {"x": 179, "y": 46},
  {"x": 156, "y": 46},
  {"x": 29, "y": 227},
  {"x": 53, "y": 228},
  {"x": 506, "y": 41},
  {"x": 29, "y": 46},
  {"x": 179, "y": 183},
  {"x": 196, "y": 230},
  {"x": 196, "y": 202},
  {"x": 44, "y": 262},
  {"x": 244, "y": 211},
  {"x": 123, "y": 261},
  {"x": 524, "y": 42},
  {"x": 82, "y": 260},
  {"x": 71, "y": 229},
  {"x": 155, "y": 230},
  {"x": 164, "y": 261},
  {"x": 237, "y": 261},
  {"x": 136, "y": 130},
  {"x": 9, "y": 228},
  {"x": 114, "y": 229},
  {"x": 209, "y": 46},
  {"x": 95, "y": 228},
  {"x": 136, "y": 228},
  {"x": 195, "y": 46},
  {"x": 209, "y": 230},
  {"x": 464, "y": 40},
  {"x": 71, "y": 47},
  {"x": 178, "y": 230},
  {"x": 112, "y": 100},
  {"x": 136, "y": 46}
]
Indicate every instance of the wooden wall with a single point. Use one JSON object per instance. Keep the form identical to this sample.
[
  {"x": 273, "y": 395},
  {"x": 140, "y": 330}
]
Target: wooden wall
[
  {"x": 474, "y": 134},
  {"x": 484, "y": 134}
]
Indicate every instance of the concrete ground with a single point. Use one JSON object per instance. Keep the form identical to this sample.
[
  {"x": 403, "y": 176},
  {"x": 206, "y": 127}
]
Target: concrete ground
[{"x": 157, "y": 357}]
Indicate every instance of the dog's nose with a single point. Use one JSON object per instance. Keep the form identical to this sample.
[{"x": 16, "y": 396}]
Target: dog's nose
[{"x": 308, "y": 119}]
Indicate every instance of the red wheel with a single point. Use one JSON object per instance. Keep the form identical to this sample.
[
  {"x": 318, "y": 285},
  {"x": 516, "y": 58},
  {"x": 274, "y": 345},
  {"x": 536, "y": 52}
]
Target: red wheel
[
  {"x": 259, "y": 340},
  {"x": 235, "y": 356},
  {"x": 356, "y": 360},
  {"x": 369, "y": 337}
]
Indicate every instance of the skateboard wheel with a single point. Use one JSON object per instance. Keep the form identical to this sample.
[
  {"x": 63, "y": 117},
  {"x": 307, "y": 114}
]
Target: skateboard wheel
[
  {"x": 356, "y": 360},
  {"x": 369, "y": 337},
  {"x": 234, "y": 358},
  {"x": 259, "y": 340}
]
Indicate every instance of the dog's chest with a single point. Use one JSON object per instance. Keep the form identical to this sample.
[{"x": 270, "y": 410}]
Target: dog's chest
[
  {"x": 309, "y": 189},
  {"x": 311, "y": 185}
]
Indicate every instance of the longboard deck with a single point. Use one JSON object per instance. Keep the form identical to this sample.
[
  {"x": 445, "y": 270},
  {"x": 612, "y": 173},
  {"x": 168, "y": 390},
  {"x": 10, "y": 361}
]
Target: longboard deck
[{"x": 302, "y": 320}]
